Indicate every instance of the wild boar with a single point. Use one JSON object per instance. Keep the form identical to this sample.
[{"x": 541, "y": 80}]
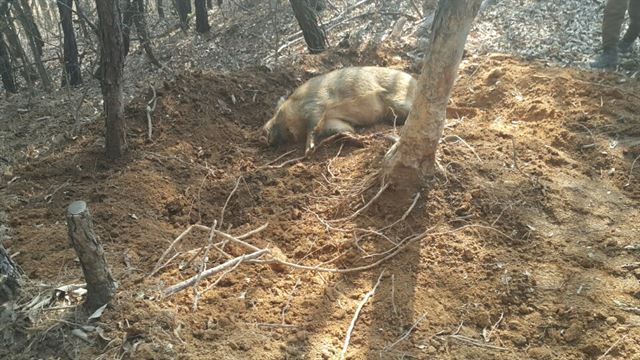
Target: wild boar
[{"x": 339, "y": 102}]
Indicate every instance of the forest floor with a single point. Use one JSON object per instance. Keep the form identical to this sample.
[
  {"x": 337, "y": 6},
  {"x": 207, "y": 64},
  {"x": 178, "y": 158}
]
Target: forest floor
[{"x": 530, "y": 240}]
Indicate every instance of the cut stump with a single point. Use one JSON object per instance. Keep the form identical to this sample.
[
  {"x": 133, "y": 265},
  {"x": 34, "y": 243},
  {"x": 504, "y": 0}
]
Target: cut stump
[{"x": 101, "y": 287}]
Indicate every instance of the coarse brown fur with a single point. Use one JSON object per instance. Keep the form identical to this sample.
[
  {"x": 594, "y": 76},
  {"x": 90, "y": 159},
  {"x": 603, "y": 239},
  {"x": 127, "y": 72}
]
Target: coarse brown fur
[{"x": 340, "y": 101}]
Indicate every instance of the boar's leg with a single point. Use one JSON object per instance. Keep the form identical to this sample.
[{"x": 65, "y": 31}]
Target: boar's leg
[
  {"x": 331, "y": 128},
  {"x": 398, "y": 110},
  {"x": 364, "y": 110}
]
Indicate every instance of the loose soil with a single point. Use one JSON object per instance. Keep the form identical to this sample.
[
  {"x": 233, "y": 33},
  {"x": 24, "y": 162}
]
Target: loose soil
[{"x": 532, "y": 216}]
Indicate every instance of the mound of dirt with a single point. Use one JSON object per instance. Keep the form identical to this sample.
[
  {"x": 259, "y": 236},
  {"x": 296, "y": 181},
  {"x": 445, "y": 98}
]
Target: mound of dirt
[{"x": 525, "y": 230}]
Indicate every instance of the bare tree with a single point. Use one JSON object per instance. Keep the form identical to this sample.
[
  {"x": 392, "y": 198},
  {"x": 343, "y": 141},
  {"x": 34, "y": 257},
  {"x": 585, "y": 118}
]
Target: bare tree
[
  {"x": 183, "y": 7},
  {"x": 71, "y": 73},
  {"x": 202, "y": 18},
  {"x": 141, "y": 27},
  {"x": 112, "y": 67},
  {"x": 6, "y": 72},
  {"x": 25, "y": 16},
  {"x": 160, "y": 9},
  {"x": 17, "y": 52},
  {"x": 314, "y": 36},
  {"x": 413, "y": 158}
]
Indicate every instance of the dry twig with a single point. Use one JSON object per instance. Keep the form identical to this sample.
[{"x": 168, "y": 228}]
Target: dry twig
[
  {"x": 357, "y": 314},
  {"x": 171, "y": 290},
  {"x": 363, "y": 208},
  {"x": 227, "y": 201},
  {"x": 631, "y": 171},
  {"x": 407, "y": 333},
  {"x": 151, "y": 107}
]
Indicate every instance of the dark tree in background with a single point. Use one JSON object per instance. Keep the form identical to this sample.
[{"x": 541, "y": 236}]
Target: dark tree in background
[
  {"x": 141, "y": 27},
  {"x": 126, "y": 7},
  {"x": 17, "y": 52},
  {"x": 112, "y": 64},
  {"x": 202, "y": 18},
  {"x": 160, "y": 9},
  {"x": 412, "y": 159},
  {"x": 25, "y": 16},
  {"x": 71, "y": 64},
  {"x": 183, "y": 7},
  {"x": 6, "y": 73},
  {"x": 314, "y": 36},
  {"x": 5, "y": 67}
]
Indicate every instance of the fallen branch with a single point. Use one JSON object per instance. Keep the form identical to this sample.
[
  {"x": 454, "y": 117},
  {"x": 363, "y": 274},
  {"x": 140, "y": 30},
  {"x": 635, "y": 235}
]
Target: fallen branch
[
  {"x": 227, "y": 201},
  {"x": 357, "y": 314},
  {"x": 203, "y": 266},
  {"x": 612, "y": 346},
  {"x": 159, "y": 264},
  {"x": 171, "y": 290},
  {"x": 406, "y": 334},
  {"x": 474, "y": 342}
]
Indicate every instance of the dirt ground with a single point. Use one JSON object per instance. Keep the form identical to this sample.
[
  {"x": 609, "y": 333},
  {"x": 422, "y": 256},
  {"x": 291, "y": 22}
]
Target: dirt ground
[{"x": 527, "y": 228}]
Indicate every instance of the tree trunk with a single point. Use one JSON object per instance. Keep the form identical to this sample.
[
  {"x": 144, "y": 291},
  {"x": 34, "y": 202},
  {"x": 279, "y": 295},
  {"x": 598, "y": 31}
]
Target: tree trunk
[
  {"x": 17, "y": 51},
  {"x": 32, "y": 30},
  {"x": 314, "y": 36},
  {"x": 10, "y": 277},
  {"x": 5, "y": 69},
  {"x": 100, "y": 284},
  {"x": 412, "y": 159},
  {"x": 71, "y": 73},
  {"x": 202, "y": 17},
  {"x": 317, "y": 5},
  {"x": 112, "y": 64},
  {"x": 209, "y": 4},
  {"x": 5, "y": 59},
  {"x": 34, "y": 42},
  {"x": 184, "y": 8},
  {"x": 83, "y": 21},
  {"x": 160, "y": 9},
  {"x": 141, "y": 27},
  {"x": 127, "y": 21}
]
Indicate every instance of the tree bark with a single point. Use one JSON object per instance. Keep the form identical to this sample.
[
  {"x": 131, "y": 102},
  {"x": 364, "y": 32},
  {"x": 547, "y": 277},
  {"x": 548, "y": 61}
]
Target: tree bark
[
  {"x": 412, "y": 159},
  {"x": 202, "y": 17},
  {"x": 141, "y": 27},
  {"x": 112, "y": 64},
  {"x": 10, "y": 277},
  {"x": 6, "y": 73},
  {"x": 32, "y": 29},
  {"x": 127, "y": 22},
  {"x": 101, "y": 287},
  {"x": 17, "y": 51},
  {"x": 160, "y": 9},
  {"x": 183, "y": 7},
  {"x": 71, "y": 75},
  {"x": 5, "y": 68},
  {"x": 314, "y": 36},
  {"x": 35, "y": 42}
]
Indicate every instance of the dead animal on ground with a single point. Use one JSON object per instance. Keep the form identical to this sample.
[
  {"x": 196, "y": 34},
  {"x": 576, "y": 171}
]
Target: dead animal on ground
[{"x": 340, "y": 101}]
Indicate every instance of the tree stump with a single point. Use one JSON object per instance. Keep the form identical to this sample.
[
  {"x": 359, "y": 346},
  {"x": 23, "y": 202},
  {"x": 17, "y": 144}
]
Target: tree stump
[{"x": 101, "y": 286}]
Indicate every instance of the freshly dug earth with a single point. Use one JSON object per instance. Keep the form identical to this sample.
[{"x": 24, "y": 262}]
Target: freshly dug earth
[{"x": 532, "y": 217}]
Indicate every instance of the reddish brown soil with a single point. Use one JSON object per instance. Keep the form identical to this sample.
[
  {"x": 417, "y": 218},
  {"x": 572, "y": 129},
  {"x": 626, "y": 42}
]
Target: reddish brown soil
[{"x": 526, "y": 247}]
